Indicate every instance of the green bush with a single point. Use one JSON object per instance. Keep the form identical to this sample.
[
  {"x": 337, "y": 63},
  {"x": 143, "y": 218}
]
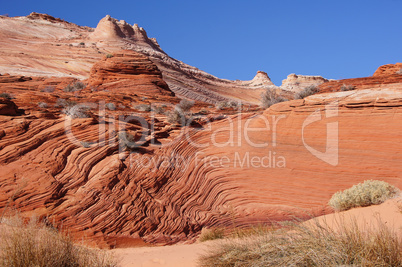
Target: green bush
[
  {"x": 364, "y": 194},
  {"x": 309, "y": 90}
]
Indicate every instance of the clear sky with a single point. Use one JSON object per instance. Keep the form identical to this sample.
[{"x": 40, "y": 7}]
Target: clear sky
[{"x": 235, "y": 39}]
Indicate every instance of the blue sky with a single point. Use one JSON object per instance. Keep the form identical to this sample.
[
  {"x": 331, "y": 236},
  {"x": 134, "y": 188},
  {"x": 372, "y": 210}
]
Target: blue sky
[{"x": 235, "y": 39}]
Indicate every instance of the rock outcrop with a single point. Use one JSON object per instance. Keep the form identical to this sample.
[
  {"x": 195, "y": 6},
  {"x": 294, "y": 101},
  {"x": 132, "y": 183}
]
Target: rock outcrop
[
  {"x": 296, "y": 83},
  {"x": 389, "y": 69},
  {"x": 8, "y": 107},
  {"x": 40, "y": 45},
  {"x": 218, "y": 175},
  {"x": 129, "y": 70}
]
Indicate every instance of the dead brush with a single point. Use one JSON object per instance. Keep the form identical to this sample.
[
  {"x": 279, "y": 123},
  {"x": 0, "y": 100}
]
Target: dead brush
[
  {"x": 35, "y": 244},
  {"x": 310, "y": 245}
]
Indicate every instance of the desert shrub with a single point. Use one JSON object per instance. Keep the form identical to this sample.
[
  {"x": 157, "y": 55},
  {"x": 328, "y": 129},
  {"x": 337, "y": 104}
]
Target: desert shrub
[
  {"x": 86, "y": 144},
  {"x": 316, "y": 245},
  {"x": 109, "y": 56},
  {"x": 221, "y": 105},
  {"x": 6, "y": 96},
  {"x": 309, "y": 90},
  {"x": 370, "y": 192},
  {"x": 43, "y": 105},
  {"x": 143, "y": 107},
  {"x": 211, "y": 234},
  {"x": 61, "y": 103},
  {"x": 158, "y": 109},
  {"x": 77, "y": 86},
  {"x": 35, "y": 244},
  {"x": 346, "y": 87},
  {"x": 48, "y": 89},
  {"x": 270, "y": 97},
  {"x": 110, "y": 106},
  {"x": 175, "y": 117},
  {"x": 185, "y": 105},
  {"x": 77, "y": 111},
  {"x": 126, "y": 140}
]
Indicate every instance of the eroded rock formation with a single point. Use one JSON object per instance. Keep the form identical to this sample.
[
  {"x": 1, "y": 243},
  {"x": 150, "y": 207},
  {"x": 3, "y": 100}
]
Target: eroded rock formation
[
  {"x": 128, "y": 70},
  {"x": 296, "y": 83}
]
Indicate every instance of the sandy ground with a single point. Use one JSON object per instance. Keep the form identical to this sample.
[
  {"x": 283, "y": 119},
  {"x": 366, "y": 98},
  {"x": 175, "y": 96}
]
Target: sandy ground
[
  {"x": 169, "y": 256},
  {"x": 389, "y": 213}
]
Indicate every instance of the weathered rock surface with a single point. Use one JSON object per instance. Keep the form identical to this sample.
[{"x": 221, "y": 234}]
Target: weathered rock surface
[
  {"x": 389, "y": 69},
  {"x": 242, "y": 169},
  {"x": 129, "y": 70},
  {"x": 8, "y": 107},
  {"x": 220, "y": 175},
  {"x": 296, "y": 83},
  {"x": 45, "y": 46}
]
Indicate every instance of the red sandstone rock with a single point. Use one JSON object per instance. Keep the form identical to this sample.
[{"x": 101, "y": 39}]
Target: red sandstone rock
[
  {"x": 130, "y": 70},
  {"x": 389, "y": 69},
  {"x": 8, "y": 107}
]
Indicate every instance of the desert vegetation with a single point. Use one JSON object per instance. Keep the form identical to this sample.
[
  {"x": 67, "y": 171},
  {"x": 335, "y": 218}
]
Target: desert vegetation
[
  {"x": 143, "y": 107},
  {"x": 185, "y": 105},
  {"x": 33, "y": 243},
  {"x": 347, "y": 87},
  {"x": 5, "y": 95},
  {"x": 181, "y": 114},
  {"x": 370, "y": 192},
  {"x": 270, "y": 97},
  {"x": 77, "y": 86},
  {"x": 309, "y": 90},
  {"x": 211, "y": 234},
  {"x": 77, "y": 111},
  {"x": 315, "y": 243},
  {"x": 43, "y": 105},
  {"x": 310, "y": 245}
]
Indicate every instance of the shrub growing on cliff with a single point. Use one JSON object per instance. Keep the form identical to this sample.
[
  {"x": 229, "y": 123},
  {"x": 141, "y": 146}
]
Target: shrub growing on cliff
[
  {"x": 77, "y": 111},
  {"x": 270, "y": 97},
  {"x": 346, "y": 87},
  {"x": 6, "y": 96},
  {"x": 368, "y": 193},
  {"x": 35, "y": 244},
  {"x": 77, "y": 86},
  {"x": 185, "y": 105},
  {"x": 43, "y": 105},
  {"x": 143, "y": 107},
  {"x": 309, "y": 90}
]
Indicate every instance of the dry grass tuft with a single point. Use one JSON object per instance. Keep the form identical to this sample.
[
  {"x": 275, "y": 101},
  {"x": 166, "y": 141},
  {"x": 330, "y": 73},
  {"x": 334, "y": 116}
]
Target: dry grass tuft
[
  {"x": 211, "y": 234},
  {"x": 34, "y": 244},
  {"x": 370, "y": 192},
  {"x": 310, "y": 246}
]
